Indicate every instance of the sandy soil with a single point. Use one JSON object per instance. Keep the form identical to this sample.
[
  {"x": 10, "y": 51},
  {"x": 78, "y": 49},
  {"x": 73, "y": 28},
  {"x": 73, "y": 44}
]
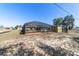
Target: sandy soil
[{"x": 42, "y": 44}]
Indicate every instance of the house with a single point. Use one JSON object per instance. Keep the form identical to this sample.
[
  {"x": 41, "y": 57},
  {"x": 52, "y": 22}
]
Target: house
[
  {"x": 5, "y": 29},
  {"x": 36, "y": 26}
]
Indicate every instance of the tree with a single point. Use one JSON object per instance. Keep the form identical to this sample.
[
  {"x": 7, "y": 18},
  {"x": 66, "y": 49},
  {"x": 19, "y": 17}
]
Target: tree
[
  {"x": 58, "y": 21},
  {"x": 1, "y": 26},
  {"x": 17, "y": 26},
  {"x": 69, "y": 22}
]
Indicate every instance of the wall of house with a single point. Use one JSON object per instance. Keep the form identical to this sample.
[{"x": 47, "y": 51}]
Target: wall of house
[
  {"x": 39, "y": 29},
  {"x": 30, "y": 29}
]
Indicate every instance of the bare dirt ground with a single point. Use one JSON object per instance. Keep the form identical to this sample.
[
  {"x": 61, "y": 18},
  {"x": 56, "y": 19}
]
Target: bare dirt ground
[{"x": 41, "y": 44}]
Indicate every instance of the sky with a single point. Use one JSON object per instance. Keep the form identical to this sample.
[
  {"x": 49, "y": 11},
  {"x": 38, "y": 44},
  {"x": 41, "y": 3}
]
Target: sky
[{"x": 12, "y": 14}]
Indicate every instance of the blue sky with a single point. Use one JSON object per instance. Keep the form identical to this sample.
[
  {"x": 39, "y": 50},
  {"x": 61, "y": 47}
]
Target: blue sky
[{"x": 19, "y": 13}]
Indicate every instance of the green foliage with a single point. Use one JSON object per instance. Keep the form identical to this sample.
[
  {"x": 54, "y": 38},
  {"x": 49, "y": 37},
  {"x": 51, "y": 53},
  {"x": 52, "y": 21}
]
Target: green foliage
[
  {"x": 17, "y": 26},
  {"x": 67, "y": 22},
  {"x": 1, "y": 26},
  {"x": 58, "y": 21}
]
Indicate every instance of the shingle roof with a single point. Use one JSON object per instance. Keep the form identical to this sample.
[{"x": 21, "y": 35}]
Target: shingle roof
[{"x": 36, "y": 24}]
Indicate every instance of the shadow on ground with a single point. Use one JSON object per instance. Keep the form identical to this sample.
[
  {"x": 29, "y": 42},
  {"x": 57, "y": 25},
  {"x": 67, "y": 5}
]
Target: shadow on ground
[
  {"x": 54, "y": 51},
  {"x": 15, "y": 50},
  {"x": 20, "y": 50},
  {"x": 76, "y": 39}
]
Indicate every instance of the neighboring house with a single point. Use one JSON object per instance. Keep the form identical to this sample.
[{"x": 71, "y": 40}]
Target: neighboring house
[
  {"x": 36, "y": 26},
  {"x": 5, "y": 29}
]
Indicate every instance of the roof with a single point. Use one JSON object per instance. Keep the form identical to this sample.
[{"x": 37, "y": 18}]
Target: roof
[{"x": 36, "y": 24}]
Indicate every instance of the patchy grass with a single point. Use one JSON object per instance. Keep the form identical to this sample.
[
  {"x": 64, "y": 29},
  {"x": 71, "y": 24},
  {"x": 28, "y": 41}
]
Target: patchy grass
[{"x": 9, "y": 35}]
